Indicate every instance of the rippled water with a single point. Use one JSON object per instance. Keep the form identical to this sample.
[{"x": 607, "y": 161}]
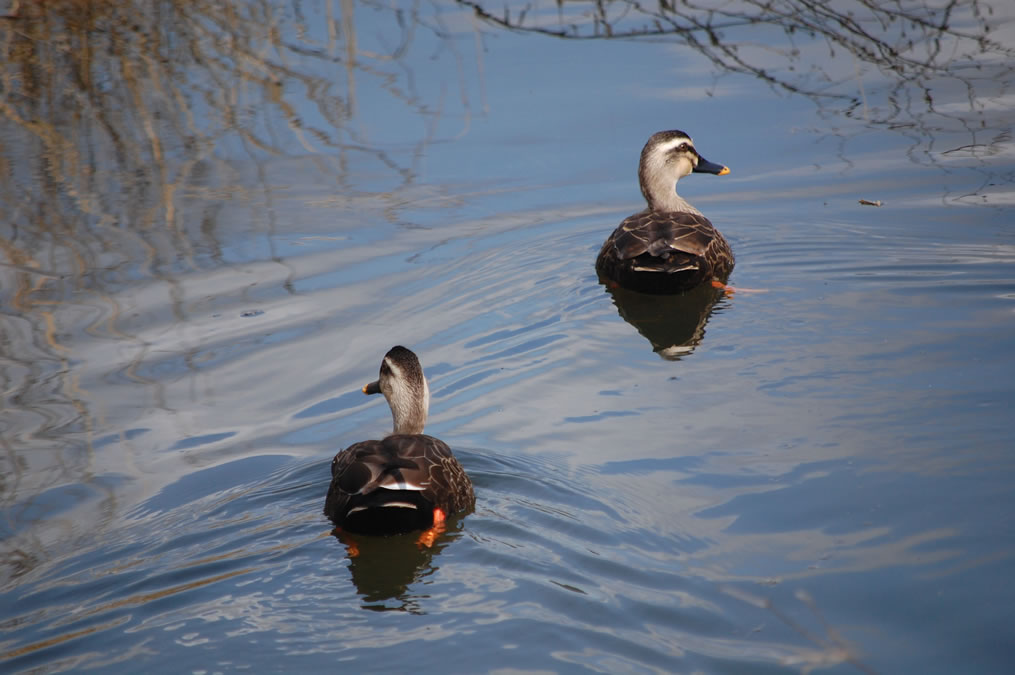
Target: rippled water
[{"x": 811, "y": 473}]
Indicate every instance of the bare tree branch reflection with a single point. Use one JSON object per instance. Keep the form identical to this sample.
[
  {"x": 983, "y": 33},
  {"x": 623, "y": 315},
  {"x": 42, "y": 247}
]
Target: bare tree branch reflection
[
  {"x": 917, "y": 48},
  {"x": 125, "y": 127}
]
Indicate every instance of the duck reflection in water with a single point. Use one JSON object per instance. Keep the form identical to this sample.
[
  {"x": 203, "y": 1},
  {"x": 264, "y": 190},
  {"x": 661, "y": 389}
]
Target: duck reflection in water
[
  {"x": 385, "y": 568},
  {"x": 674, "y": 324}
]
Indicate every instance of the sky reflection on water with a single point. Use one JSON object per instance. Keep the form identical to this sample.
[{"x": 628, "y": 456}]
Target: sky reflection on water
[{"x": 214, "y": 231}]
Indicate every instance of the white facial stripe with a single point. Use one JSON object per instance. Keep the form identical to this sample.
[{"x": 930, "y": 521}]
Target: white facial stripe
[
  {"x": 669, "y": 145},
  {"x": 396, "y": 372}
]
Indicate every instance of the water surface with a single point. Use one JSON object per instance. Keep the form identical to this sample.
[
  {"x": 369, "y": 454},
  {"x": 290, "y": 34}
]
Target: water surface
[{"x": 220, "y": 218}]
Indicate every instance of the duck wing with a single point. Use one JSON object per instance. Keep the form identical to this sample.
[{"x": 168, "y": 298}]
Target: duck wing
[
  {"x": 664, "y": 252},
  {"x": 660, "y": 233},
  {"x": 414, "y": 463}
]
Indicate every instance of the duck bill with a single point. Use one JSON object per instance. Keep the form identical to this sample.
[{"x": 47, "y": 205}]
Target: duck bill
[
  {"x": 705, "y": 166},
  {"x": 372, "y": 388}
]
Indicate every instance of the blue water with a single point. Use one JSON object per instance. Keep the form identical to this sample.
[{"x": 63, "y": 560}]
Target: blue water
[{"x": 811, "y": 474}]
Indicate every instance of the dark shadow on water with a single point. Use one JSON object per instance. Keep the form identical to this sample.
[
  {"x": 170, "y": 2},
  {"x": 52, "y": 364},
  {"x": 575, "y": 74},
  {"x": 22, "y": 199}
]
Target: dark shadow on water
[
  {"x": 673, "y": 324},
  {"x": 384, "y": 568}
]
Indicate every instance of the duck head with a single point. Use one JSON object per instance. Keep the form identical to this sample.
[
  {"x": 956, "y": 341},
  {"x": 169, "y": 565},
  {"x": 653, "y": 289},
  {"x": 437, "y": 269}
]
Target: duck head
[
  {"x": 404, "y": 386},
  {"x": 667, "y": 157}
]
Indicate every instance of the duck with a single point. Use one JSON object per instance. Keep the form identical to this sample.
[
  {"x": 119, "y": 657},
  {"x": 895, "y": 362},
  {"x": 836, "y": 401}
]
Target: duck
[
  {"x": 669, "y": 247},
  {"x": 406, "y": 481}
]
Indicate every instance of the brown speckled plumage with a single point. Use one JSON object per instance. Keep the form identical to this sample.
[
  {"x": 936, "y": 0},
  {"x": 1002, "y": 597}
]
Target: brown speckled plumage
[
  {"x": 414, "y": 459},
  {"x": 669, "y": 247},
  {"x": 393, "y": 485}
]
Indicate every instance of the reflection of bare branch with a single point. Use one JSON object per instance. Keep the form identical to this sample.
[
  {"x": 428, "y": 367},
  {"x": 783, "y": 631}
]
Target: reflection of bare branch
[
  {"x": 832, "y": 648},
  {"x": 909, "y": 42},
  {"x": 126, "y": 126}
]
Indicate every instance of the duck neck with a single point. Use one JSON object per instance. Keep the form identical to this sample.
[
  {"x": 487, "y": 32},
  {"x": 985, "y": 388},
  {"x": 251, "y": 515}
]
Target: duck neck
[
  {"x": 411, "y": 423},
  {"x": 409, "y": 412},
  {"x": 662, "y": 195}
]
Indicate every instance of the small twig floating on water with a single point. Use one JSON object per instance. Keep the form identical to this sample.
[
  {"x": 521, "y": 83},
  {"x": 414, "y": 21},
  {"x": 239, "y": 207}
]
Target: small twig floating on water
[{"x": 867, "y": 202}]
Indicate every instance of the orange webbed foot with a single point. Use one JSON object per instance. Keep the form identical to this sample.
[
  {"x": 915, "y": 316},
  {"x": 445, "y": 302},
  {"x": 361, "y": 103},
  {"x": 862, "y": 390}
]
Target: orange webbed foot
[
  {"x": 428, "y": 538},
  {"x": 730, "y": 290},
  {"x": 351, "y": 547}
]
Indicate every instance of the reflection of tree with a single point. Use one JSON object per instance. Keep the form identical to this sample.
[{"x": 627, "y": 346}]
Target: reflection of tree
[
  {"x": 793, "y": 45},
  {"x": 108, "y": 91},
  {"x": 126, "y": 128}
]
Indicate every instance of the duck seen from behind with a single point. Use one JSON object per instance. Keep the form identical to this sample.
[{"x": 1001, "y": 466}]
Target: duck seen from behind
[
  {"x": 669, "y": 247},
  {"x": 406, "y": 481}
]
